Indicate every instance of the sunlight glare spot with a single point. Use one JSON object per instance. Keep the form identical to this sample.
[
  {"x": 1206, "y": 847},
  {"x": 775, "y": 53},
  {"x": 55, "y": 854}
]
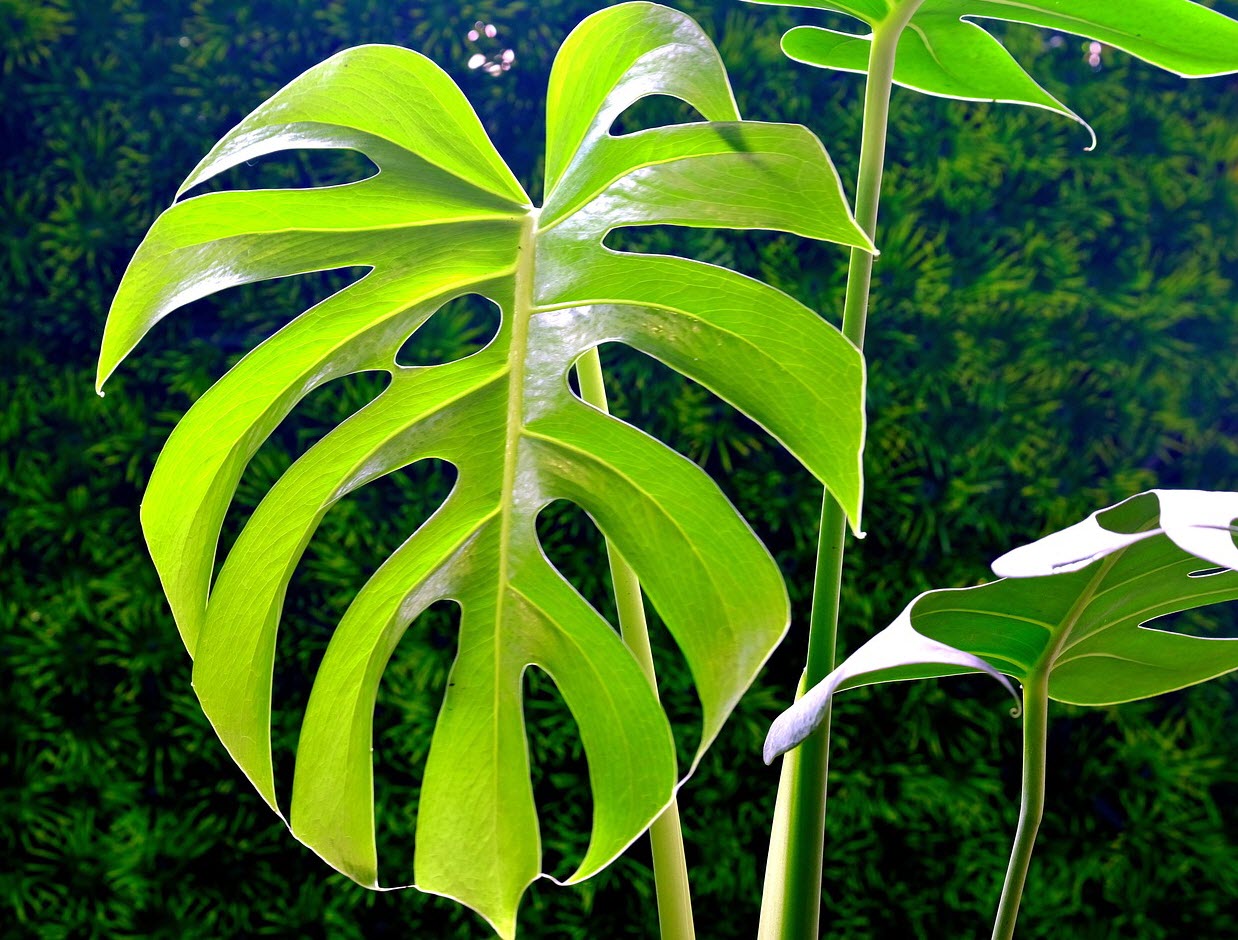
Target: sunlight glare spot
[{"x": 492, "y": 65}]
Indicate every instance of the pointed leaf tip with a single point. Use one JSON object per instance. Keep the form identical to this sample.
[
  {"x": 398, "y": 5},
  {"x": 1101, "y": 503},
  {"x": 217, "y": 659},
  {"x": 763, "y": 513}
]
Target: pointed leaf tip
[{"x": 948, "y": 53}]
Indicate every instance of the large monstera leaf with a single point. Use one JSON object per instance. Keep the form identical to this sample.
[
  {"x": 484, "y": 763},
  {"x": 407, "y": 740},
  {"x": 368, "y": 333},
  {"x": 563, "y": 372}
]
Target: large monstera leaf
[
  {"x": 442, "y": 218},
  {"x": 943, "y": 52},
  {"x": 1074, "y": 605}
]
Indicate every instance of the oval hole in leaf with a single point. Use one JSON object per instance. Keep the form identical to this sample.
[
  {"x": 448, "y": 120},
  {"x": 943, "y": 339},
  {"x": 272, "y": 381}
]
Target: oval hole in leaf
[
  {"x": 459, "y": 328},
  {"x": 680, "y": 412},
  {"x": 1207, "y": 572},
  {"x": 654, "y": 111},
  {"x": 814, "y": 273},
  {"x": 354, "y": 538},
  {"x": 409, "y": 698},
  {"x": 199, "y": 343},
  {"x": 678, "y": 693},
  {"x": 559, "y": 772},
  {"x": 577, "y": 550},
  {"x": 312, "y": 418},
  {"x": 1213, "y": 622},
  {"x": 294, "y": 169}
]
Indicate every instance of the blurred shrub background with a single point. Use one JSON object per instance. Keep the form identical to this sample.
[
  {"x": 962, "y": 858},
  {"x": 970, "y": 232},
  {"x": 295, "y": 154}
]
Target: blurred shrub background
[{"x": 1053, "y": 330}]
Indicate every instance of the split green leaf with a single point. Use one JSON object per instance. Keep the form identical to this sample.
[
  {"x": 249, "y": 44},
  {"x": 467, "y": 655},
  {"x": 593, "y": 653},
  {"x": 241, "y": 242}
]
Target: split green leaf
[
  {"x": 944, "y": 52},
  {"x": 444, "y": 217}
]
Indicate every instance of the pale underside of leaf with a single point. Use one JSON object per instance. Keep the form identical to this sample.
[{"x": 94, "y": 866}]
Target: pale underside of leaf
[
  {"x": 1197, "y": 521},
  {"x": 898, "y": 645},
  {"x": 443, "y": 218},
  {"x": 1080, "y": 610}
]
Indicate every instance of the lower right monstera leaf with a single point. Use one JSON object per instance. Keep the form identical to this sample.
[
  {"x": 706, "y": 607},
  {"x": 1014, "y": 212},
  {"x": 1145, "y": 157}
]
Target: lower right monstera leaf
[{"x": 1075, "y": 606}]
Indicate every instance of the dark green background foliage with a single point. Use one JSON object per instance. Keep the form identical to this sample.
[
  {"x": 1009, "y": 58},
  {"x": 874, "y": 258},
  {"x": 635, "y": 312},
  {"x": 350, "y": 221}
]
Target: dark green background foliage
[{"x": 1053, "y": 331}]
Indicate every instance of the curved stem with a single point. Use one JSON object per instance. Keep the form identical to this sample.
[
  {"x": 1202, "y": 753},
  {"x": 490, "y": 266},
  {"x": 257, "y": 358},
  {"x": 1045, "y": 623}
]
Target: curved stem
[
  {"x": 800, "y": 895},
  {"x": 1031, "y": 803},
  {"x": 670, "y": 867}
]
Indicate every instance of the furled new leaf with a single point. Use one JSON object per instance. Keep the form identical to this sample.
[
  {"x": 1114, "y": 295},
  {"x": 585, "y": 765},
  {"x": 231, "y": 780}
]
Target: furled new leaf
[
  {"x": 1076, "y": 604},
  {"x": 943, "y": 52},
  {"x": 442, "y": 218}
]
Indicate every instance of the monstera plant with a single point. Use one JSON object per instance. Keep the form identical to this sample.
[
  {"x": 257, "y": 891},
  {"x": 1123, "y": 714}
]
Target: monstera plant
[
  {"x": 1069, "y": 619},
  {"x": 938, "y": 47},
  {"x": 442, "y": 218}
]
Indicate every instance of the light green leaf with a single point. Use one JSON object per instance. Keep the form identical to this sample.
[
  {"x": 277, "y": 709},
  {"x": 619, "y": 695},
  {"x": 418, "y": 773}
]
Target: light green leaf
[
  {"x": 444, "y": 217},
  {"x": 943, "y": 52},
  {"x": 1076, "y": 604}
]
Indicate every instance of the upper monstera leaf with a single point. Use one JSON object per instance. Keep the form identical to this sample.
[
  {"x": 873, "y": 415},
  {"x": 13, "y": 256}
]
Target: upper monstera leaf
[
  {"x": 943, "y": 52},
  {"x": 1074, "y": 605},
  {"x": 445, "y": 217}
]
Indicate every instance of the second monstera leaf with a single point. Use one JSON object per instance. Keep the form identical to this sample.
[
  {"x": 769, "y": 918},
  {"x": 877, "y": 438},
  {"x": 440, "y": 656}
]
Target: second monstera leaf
[
  {"x": 442, "y": 218},
  {"x": 1072, "y": 607},
  {"x": 942, "y": 50}
]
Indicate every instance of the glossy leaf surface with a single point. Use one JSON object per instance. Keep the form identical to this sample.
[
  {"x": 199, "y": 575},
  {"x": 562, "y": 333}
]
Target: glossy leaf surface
[
  {"x": 1077, "y": 603},
  {"x": 442, "y": 218},
  {"x": 944, "y": 52}
]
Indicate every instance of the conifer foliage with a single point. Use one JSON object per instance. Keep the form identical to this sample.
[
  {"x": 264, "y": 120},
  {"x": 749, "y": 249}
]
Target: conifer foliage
[{"x": 1110, "y": 274}]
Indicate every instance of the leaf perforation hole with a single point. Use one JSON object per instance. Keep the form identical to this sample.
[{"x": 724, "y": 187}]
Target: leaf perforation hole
[
  {"x": 654, "y": 111},
  {"x": 1207, "y": 572},
  {"x": 559, "y": 772},
  {"x": 458, "y": 329},
  {"x": 680, "y": 412},
  {"x": 760, "y": 478},
  {"x": 1216, "y": 621},
  {"x": 814, "y": 273},
  {"x": 201, "y": 341},
  {"x": 577, "y": 549},
  {"x": 295, "y": 169},
  {"x": 357, "y": 534},
  {"x": 574, "y": 546},
  {"x": 676, "y": 690},
  {"x": 409, "y": 697},
  {"x": 312, "y": 419}
]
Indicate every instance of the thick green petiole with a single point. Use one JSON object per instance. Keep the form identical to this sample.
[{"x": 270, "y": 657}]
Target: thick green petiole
[
  {"x": 798, "y": 897},
  {"x": 1031, "y": 803},
  {"x": 670, "y": 867}
]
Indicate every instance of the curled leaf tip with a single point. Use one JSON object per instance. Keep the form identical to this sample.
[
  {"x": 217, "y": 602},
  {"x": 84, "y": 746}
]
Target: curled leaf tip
[
  {"x": 884, "y": 658},
  {"x": 1091, "y": 133}
]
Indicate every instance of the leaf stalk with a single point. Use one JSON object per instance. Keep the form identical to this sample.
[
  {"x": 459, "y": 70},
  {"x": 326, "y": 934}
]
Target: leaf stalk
[
  {"x": 670, "y": 866},
  {"x": 800, "y": 899},
  {"x": 1031, "y": 803}
]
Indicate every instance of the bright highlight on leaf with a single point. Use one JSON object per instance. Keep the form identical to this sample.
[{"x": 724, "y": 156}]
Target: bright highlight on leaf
[
  {"x": 1194, "y": 520},
  {"x": 1076, "y": 604},
  {"x": 944, "y": 52},
  {"x": 445, "y": 217}
]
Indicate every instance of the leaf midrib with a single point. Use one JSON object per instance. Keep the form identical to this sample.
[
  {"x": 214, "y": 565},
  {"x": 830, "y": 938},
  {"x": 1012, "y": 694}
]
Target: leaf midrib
[
  {"x": 1059, "y": 644},
  {"x": 523, "y": 308}
]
